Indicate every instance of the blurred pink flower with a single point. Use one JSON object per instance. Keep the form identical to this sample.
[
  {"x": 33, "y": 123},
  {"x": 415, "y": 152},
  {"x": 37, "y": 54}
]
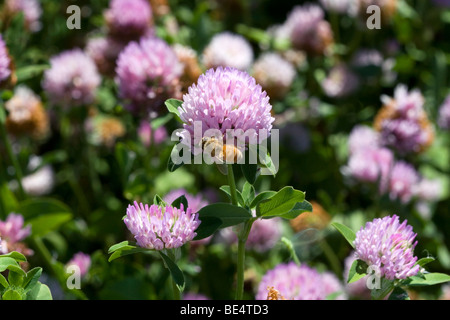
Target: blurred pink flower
[
  {"x": 147, "y": 135},
  {"x": 72, "y": 79},
  {"x": 195, "y": 202},
  {"x": 13, "y": 230},
  {"x": 82, "y": 261},
  {"x": 128, "y": 19},
  {"x": 5, "y": 61},
  {"x": 148, "y": 73},
  {"x": 31, "y": 10},
  {"x": 295, "y": 282},
  {"x": 308, "y": 30},
  {"x": 362, "y": 137},
  {"x": 403, "y": 182},
  {"x": 340, "y": 82},
  {"x": 263, "y": 236},
  {"x": 444, "y": 114}
]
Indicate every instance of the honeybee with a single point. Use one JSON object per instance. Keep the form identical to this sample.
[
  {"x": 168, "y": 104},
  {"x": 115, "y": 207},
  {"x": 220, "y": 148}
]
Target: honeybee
[{"x": 223, "y": 153}]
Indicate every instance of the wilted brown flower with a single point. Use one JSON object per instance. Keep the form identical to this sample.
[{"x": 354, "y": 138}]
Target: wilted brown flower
[
  {"x": 317, "y": 219},
  {"x": 104, "y": 130},
  {"x": 189, "y": 59},
  {"x": 387, "y": 9},
  {"x": 26, "y": 114},
  {"x": 274, "y": 294},
  {"x": 160, "y": 7}
]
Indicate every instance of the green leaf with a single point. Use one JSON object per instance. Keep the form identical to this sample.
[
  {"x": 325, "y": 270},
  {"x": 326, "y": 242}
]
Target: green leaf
[
  {"x": 248, "y": 193},
  {"x": 159, "y": 201},
  {"x": 33, "y": 208},
  {"x": 3, "y": 282},
  {"x": 180, "y": 200},
  {"x": 10, "y": 202},
  {"x": 428, "y": 279},
  {"x": 28, "y": 72},
  {"x": 16, "y": 256},
  {"x": 123, "y": 249},
  {"x": 159, "y": 122},
  {"x": 229, "y": 214},
  {"x": 6, "y": 262},
  {"x": 172, "y": 166},
  {"x": 207, "y": 227},
  {"x": 2, "y": 115},
  {"x": 223, "y": 168},
  {"x": 348, "y": 234},
  {"x": 250, "y": 172},
  {"x": 399, "y": 294},
  {"x": 280, "y": 203},
  {"x": 175, "y": 272},
  {"x": 357, "y": 271},
  {"x": 44, "y": 214},
  {"x": 48, "y": 222},
  {"x": 11, "y": 294},
  {"x": 19, "y": 274},
  {"x": 32, "y": 278},
  {"x": 298, "y": 209},
  {"x": 290, "y": 246},
  {"x": 385, "y": 288},
  {"x": 260, "y": 197},
  {"x": 227, "y": 190},
  {"x": 172, "y": 105},
  {"x": 39, "y": 292},
  {"x": 120, "y": 245},
  {"x": 424, "y": 261},
  {"x": 125, "y": 159},
  {"x": 16, "y": 276},
  {"x": 267, "y": 163}
]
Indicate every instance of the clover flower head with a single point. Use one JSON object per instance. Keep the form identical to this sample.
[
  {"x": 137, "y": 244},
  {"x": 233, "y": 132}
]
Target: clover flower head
[
  {"x": 225, "y": 99},
  {"x": 389, "y": 245},
  {"x": 157, "y": 227}
]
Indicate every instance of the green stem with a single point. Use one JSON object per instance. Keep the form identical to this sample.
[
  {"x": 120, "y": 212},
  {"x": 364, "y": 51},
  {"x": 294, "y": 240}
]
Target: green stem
[
  {"x": 331, "y": 256},
  {"x": 175, "y": 290},
  {"x": 242, "y": 239},
  {"x": 335, "y": 26},
  {"x": 13, "y": 159},
  {"x": 232, "y": 184},
  {"x": 240, "y": 269},
  {"x": 3, "y": 212}
]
